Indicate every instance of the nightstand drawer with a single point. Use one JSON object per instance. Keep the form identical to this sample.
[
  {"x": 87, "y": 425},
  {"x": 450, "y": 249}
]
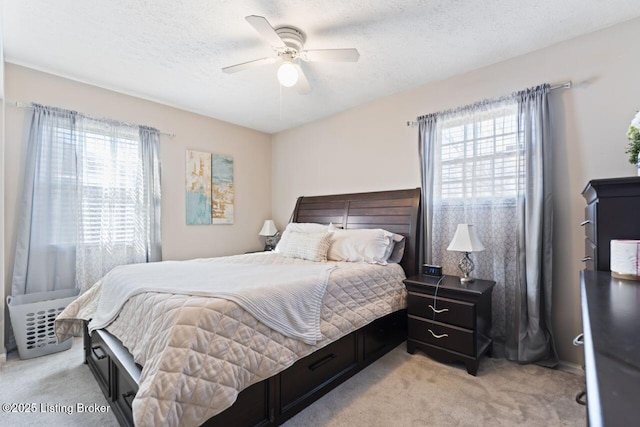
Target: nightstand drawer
[
  {"x": 459, "y": 313},
  {"x": 435, "y": 333}
]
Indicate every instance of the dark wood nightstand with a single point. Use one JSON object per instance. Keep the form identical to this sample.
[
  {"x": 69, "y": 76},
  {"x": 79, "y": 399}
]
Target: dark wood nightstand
[{"x": 453, "y": 326}]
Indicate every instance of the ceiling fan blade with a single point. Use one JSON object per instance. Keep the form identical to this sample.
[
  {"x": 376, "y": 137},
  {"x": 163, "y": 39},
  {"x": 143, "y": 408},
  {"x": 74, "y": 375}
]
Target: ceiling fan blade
[
  {"x": 265, "y": 29},
  {"x": 249, "y": 64},
  {"x": 302, "y": 86},
  {"x": 331, "y": 55}
]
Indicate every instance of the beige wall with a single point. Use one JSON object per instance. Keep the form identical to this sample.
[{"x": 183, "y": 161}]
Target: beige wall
[
  {"x": 371, "y": 148},
  {"x": 251, "y": 151}
]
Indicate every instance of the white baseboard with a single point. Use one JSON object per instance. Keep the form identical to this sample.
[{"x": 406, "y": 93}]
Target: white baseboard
[{"x": 570, "y": 367}]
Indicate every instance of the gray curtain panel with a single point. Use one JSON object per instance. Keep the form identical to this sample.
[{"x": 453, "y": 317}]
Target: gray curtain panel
[
  {"x": 91, "y": 200},
  {"x": 485, "y": 164},
  {"x": 533, "y": 339},
  {"x": 427, "y": 136},
  {"x": 150, "y": 155},
  {"x": 45, "y": 250}
]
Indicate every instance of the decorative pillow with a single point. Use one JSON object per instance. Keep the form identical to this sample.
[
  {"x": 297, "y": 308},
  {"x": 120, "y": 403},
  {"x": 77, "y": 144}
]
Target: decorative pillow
[
  {"x": 309, "y": 246},
  {"x": 299, "y": 227},
  {"x": 361, "y": 245},
  {"x": 398, "y": 250}
]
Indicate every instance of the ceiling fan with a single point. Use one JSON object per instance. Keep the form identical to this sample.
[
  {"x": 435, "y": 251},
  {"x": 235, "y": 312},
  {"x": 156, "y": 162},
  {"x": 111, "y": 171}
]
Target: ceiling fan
[{"x": 288, "y": 43}]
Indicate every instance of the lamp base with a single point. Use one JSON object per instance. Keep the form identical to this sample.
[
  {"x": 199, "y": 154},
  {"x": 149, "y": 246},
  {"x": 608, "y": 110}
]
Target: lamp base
[
  {"x": 466, "y": 266},
  {"x": 271, "y": 242}
]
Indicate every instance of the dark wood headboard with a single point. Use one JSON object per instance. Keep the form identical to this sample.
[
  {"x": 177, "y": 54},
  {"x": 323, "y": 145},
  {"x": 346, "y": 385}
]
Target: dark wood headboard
[{"x": 397, "y": 211}]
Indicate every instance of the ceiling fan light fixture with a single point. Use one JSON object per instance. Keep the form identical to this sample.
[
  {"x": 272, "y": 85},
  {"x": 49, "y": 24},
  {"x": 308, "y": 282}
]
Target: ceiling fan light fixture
[
  {"x": 287, "y": 74},
  {"x": 288, "y": 44}
]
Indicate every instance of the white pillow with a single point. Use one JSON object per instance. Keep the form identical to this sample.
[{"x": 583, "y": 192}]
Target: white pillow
[
  {"x": 310, "y": 246},
  {"x": 299, "y": 227},
  {"x": 361, "y": 245}
]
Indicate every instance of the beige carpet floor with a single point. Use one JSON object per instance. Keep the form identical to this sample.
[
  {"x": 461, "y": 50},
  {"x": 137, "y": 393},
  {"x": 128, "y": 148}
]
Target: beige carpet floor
[
  {"x": 397, "y": 390},
  {"x": 413, "y": 390},
  {"x": 60, "y": 379}
]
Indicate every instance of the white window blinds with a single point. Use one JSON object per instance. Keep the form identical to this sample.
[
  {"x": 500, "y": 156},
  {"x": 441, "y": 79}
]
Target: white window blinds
[
  {"x": 111, "y": 186},
  {"x": 479, "y": 156}
]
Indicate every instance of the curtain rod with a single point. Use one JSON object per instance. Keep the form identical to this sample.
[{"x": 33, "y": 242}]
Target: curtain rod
[
  {"x": 18, "y": 104},
  {"x": 565, "y": 85}
]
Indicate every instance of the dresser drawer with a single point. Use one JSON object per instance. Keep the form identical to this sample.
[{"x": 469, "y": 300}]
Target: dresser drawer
[
  {"x": 307, "y": 374},
  {"x": 589, "y": 224},
  {"x": 458, "y": 313},
  {"x": 448, "y": 337},
  {"x": 590, "y": 255},
  {"x": 98, "y": 361},
  {"x": 123, "y": 396}
]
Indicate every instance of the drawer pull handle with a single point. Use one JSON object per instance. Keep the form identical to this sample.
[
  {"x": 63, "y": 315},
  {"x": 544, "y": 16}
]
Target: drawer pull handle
[
  {"x": 126, "y": 396},
  {"x": 94, "y": 350},
  {"x": 322, "y": 361},
  {"x": 579, "y": 340},
  {"x": 438, "y": 336},
  {"x": 586, "y": 258},
  {"x": 442, "y": 310},
  {"x": 583, "y": 223}
]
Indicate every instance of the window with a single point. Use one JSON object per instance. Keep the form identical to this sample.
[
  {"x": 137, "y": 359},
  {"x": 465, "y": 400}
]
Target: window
[
  {"x": 488, "y": 164},
  {"x": 478, "y": 175},
  {"x": 479, "y": 157},
  {"x": 91, "y": 198},
  {"x": 110, "y": 180},
  {"x": 105, "y": 184}
]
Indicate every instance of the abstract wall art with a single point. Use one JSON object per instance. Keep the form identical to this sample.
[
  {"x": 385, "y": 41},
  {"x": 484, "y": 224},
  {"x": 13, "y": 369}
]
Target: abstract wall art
[
  {"x": 209, "y": 185},
  {"x": 221, "y": 189},
  {"x": 198, "y": 196}
]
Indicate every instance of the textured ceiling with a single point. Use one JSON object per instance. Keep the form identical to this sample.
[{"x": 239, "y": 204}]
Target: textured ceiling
[{"x": 172, "y": 51}]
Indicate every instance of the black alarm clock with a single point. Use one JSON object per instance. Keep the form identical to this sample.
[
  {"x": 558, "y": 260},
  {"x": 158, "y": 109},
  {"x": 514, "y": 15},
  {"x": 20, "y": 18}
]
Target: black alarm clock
[{"x": 432, "y": 270}]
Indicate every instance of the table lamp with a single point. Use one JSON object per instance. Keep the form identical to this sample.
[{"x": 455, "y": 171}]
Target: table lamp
[
  {"x": 271, "y": 232},
  {"x": 465, "y": 240}
]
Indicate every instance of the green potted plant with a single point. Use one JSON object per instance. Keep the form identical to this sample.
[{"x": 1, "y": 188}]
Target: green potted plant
[{"x": 634, "y": 141}]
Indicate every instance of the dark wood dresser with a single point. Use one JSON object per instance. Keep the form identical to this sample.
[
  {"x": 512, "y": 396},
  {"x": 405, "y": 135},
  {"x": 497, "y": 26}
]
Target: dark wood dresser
[
  {"x": 612, "y": 212},
  {"x": 610, "y": 306},
  {"x": 611, "y": 324},
  {"x": 453, "y": 325}
]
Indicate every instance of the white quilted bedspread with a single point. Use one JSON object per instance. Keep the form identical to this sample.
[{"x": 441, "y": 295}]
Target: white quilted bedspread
[{"x": 199, "y": 352}]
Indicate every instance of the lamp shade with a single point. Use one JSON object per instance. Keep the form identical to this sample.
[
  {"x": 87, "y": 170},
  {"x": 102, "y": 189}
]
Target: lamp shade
[
  {"x": 269, "y": 228},
  {"x": 465, "y": 240}
]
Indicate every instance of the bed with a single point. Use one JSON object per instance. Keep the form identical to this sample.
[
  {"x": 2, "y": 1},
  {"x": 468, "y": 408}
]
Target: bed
[{"x": 278, "y": 376}]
